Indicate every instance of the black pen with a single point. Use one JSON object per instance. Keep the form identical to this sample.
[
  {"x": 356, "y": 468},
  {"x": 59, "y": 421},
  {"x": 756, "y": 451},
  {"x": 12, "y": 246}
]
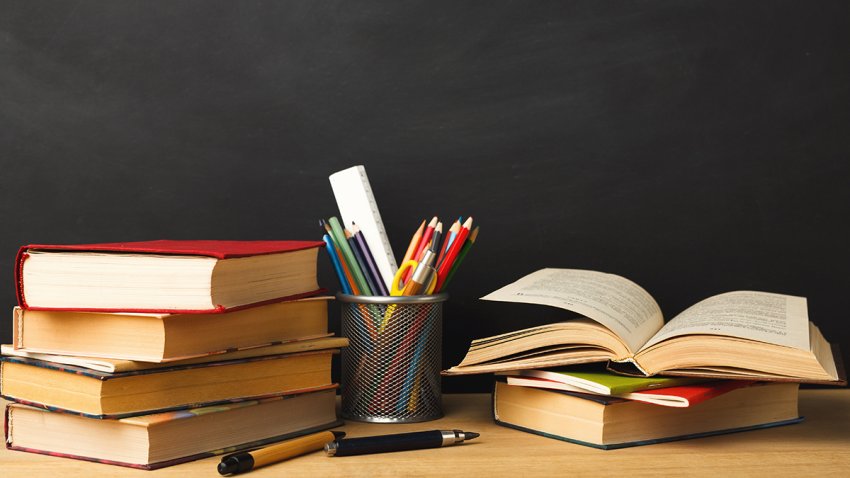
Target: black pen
[{"x": 397, "y": 442}]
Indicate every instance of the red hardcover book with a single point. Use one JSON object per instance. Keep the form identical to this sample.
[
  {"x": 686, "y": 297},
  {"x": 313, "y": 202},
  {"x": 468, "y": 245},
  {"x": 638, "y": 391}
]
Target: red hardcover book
[{"x": 164, "y": 275}]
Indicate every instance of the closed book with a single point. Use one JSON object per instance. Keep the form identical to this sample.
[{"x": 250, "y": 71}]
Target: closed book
[
  {"x": 164, "y": 439},
  {"x": 167, "y": 337},
  {"x": 164, "y": 275},
  {"x": 98, "y": 394},
  {"x": 610, "y": 422}
]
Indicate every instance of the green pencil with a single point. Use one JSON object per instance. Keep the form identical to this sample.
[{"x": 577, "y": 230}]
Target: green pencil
[
  {"x": 348, "y": 254},
  {"x": 463, "y": 252}
]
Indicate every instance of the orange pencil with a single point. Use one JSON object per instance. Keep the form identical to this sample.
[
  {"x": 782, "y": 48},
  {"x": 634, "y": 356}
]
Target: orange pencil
[
  {"x": 426, "y": 238},
  {"x": 348, "y": 276},
  {"x": 446, "y": 266},
  {"x": 414, "y": 243}
]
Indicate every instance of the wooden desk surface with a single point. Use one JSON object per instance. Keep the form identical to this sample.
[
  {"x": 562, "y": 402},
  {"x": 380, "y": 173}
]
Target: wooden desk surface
[{"x": 820, "y": 446}]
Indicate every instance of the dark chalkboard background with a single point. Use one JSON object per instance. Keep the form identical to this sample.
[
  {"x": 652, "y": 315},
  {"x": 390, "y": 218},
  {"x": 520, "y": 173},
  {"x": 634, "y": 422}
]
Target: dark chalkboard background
[{"x": 693, "y": 147}]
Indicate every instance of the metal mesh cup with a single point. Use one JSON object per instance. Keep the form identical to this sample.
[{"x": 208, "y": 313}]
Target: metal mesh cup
[{"x": 391, "y": 367}]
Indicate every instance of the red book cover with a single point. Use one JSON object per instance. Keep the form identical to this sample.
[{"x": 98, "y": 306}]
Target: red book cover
[
  {"x": 690, "y": 395},
  {"x": 208, "y": 248},
  {"x": 679, "y": 396}
]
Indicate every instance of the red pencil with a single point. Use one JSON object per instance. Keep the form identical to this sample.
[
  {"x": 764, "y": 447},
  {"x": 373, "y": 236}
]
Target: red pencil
[
  {"x": 446, "y": 265},
  {"x": 452, "y": 233},
  {"x": 426, "y": 238}
]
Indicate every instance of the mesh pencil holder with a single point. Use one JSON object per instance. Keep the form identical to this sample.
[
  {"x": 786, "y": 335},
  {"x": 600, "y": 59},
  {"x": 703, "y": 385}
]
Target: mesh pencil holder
[{"x": 391, "y": 367}]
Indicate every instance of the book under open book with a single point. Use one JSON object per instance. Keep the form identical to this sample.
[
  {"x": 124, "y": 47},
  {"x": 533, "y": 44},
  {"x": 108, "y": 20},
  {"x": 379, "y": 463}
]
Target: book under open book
[
  {"x": 739, "y": 335},
  {"x": 611, "y": 422}
]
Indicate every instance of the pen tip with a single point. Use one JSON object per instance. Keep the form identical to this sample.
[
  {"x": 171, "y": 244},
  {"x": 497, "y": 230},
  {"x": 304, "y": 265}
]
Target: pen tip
[{"x": 470, "y": 435}]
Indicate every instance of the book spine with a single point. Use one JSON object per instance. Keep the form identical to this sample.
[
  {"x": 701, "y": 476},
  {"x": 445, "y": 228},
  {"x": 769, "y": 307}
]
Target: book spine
[
  {"x": 7, "y": 425},
  {"x": 18, "y": 328},
  {"x": 19, "y": 276}
]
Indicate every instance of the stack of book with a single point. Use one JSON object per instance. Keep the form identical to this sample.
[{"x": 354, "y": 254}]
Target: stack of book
[
  {"x": 732, "y": 362},
  {"x": 149, "y": 354}
]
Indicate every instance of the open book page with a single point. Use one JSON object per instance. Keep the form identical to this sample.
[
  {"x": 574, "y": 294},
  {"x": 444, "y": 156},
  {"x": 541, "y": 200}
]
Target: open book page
[
  {"x": 615, "y": 302},
  {"x": 762, "y": 316}
]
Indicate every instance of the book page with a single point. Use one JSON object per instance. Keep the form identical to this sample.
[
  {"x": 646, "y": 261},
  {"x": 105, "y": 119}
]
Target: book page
[
  {"x": 761, "y": 316},
  {"x": 615, "y": 302}
]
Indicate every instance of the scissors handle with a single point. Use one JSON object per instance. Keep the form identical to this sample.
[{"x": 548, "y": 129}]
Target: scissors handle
[{"x": 396, "y": 287}]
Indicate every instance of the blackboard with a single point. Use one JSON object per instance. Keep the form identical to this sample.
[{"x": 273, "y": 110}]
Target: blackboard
[{"x": 694, "y": 147}]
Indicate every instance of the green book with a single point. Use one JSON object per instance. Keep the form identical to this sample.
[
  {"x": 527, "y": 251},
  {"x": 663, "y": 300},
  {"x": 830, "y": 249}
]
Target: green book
[{"x": 593, "y": 380}]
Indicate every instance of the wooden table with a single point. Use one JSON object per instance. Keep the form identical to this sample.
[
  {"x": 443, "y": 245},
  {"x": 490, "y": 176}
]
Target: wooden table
[{"x": 820, "y": 446}]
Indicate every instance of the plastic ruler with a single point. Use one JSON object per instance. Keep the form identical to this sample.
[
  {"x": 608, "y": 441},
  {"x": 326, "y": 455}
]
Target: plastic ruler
[{"x": 357, "y": 204}]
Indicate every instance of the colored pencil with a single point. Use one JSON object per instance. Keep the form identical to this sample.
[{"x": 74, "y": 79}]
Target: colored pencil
[
  {"x": 426, "y": 237},
  {"x": 361, "y": 260},
  {"x": 349, "y": 278},
  {"x": 414, "y": 243},
  {"x": 448, "y": 261},
  {"x": 370, "y": 260},
  {"x": 339, "y": 238},
  {"x": 463, "y": 252},
  {"x": 435, "y": 240},
  {"x": 343, "y": 282},
  {"x": 450, "y": 236}
]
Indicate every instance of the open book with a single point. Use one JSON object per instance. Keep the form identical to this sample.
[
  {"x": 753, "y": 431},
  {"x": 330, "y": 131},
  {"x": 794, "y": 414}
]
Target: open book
[{"x": 741, "y": 334}]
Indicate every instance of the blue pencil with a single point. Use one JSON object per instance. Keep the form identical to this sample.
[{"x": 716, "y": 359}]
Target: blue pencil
[{"x": 329, "y": 245}]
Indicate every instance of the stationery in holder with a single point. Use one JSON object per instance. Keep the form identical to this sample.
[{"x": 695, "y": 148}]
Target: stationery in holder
[{"x": 392, "y": 375}]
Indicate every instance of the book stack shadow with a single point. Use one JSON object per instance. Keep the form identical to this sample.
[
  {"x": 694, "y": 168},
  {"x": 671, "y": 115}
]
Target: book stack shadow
[
  {"x": 616, "y": 375},
  {"x": 151, "y": 354}
]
